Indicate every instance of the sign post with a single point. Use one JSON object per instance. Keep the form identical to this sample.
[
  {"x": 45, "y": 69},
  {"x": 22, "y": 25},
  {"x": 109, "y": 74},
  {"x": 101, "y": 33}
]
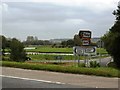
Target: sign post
[
  {"x": 100, "y": 45},
  {"x": 84, "y": 49}
]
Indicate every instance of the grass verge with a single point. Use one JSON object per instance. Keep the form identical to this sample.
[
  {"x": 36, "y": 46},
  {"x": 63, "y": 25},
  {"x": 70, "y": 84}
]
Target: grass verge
[{"x": 101, "y": 71}]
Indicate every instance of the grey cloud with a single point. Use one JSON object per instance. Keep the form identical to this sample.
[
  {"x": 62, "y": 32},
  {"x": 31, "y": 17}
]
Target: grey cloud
[
  {"x": 47, "y": 20},
  {"x": 45, "y": 12}
]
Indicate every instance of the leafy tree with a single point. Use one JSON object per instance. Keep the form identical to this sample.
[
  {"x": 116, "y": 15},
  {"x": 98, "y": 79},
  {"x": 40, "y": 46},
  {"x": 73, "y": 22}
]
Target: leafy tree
[
  {"x": 31, "y": 40},
  {"x": 64, "y": 43},
  {"x": 77, "y": 40},
  {"x": 17, "y": 52},
  {"x": 112, "y": 39},
  {"x": 70, "y": 43},
  {"x": 4, "y": 41}
]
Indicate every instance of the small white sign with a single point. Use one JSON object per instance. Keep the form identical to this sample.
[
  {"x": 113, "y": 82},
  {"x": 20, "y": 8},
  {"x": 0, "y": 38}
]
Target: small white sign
[
  {"x": 77, "y": 50},
  {"x": 84, "y": 50},
  {"x": 90, "y": 50}
]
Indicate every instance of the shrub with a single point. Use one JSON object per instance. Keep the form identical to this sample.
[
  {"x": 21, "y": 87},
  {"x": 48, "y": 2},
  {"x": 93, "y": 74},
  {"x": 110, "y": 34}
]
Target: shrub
[
  {"x": 112, "y": 64},
  {"x": 94, "y": 64},
  {"x": 81, "y": 64}
]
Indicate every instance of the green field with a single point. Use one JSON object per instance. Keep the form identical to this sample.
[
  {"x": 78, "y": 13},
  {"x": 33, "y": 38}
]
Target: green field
[
  {"x": 56, "y": 50},
  {"x": 62, "y": 50},
  {"x": 50, "y": 49},
  {"x": 55, "y": 57},
  {"x": 52, "y": 57}
]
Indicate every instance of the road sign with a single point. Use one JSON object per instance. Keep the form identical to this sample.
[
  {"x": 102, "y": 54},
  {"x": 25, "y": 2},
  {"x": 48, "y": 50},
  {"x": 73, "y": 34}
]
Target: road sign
[
  {"x": 90, "y": 50},
  {"x": 77, "y": 50},
  {"x": 85, "y": 41},
  {"x": 85, "y": 36},
  {"x": 84, "y": 50}
]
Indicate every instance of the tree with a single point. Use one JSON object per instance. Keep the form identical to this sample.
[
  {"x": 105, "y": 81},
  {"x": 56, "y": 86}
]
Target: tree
[
  {"x": 30, "y": 38},
  {"x": 64, "y": 43},
  {"x": 112, "y": 38},
  {"x": 77, "y": 40},
  {"x": 4, "y": 41},
  {"x": 70, "y": 43},
  {"x": 17, "y": 52}
]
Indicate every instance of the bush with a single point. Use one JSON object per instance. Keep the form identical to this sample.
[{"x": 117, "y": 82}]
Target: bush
[
  {"x": 112, "y": 64},
  {"x": 81, "y": 65},
  {"x": 94, "y": 64},
  {"x": 17, "y": 52}
]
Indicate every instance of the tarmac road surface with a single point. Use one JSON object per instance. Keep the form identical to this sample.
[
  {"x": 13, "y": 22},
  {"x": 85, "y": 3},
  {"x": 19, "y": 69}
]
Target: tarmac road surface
[
  {"x": 55, "y": 79},
  {"x": 15, "y": 82}
]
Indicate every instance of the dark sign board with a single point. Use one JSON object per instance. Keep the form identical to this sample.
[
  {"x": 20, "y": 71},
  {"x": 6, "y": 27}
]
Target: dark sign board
[{"x": 85, "y": 34}]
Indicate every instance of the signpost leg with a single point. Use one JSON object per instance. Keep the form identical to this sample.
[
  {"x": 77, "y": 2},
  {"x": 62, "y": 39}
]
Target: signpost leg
[
  {"x": 99, "y": 56},
  {"x": 75, "y": 56},
  {"x": 78, "y": 60},
  {"x": 85, "y": 60}
]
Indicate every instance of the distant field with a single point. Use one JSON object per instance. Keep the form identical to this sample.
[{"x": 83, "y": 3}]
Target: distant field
[
  {"x": 61, "y": 50},
  {"x": 55, "y": 50},
  {"x": 50, "y": 49},
  {"x": 63, "y": 57}
]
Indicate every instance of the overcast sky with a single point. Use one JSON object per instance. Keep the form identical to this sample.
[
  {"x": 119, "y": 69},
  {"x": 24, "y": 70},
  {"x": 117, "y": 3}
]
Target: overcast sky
[{"x": 49, "y": 19}]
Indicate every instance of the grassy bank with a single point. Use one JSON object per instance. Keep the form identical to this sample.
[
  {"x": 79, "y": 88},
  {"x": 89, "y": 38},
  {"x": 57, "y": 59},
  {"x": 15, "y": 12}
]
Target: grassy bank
[{"x": 101, "y": 71}]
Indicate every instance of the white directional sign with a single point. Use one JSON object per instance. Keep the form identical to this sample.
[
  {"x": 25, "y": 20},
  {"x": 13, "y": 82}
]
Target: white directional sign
[
  {"x": 84, "y": 50},
  {"x": 90, "y": 50}
]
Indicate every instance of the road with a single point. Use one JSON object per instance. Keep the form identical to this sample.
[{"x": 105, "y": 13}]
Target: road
[
  {"x": 14, "y": 77},
  {"x": 17, "y": 82}
]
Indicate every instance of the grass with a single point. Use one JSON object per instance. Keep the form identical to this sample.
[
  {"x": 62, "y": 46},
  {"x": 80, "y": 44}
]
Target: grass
[
  {"x": 102, "y": 51},
  {"x": 62, "y": 50},
  {"x": 52, "y": 57},
  {"x": 54, "y": 50},
  {"x": 50, "y": 49},
  {"x": 101, "y": 71}
]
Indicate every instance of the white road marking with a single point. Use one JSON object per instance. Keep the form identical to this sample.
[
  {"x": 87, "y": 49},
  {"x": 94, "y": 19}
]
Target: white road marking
[{"x": 45, "y": 81}]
